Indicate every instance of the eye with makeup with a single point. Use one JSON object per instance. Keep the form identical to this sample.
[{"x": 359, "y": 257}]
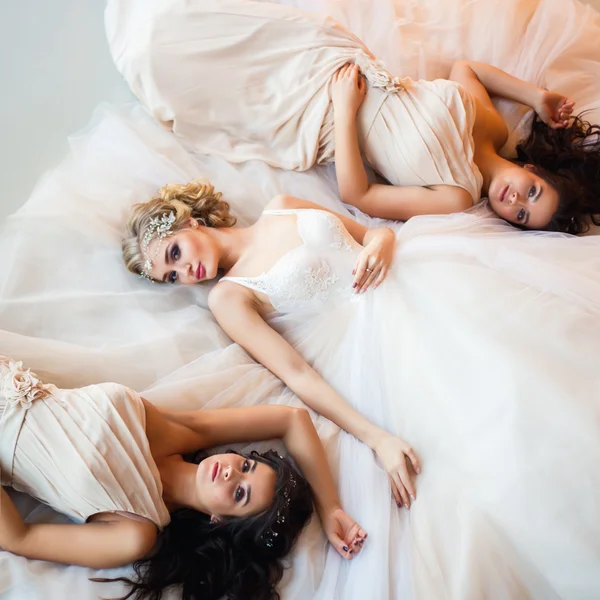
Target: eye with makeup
[
  {"x": 521, "y": 215},
  {"x": 240, "y": 493},
  {"x": 532, "y": 192},
  {"x": 174, "y": 256}
]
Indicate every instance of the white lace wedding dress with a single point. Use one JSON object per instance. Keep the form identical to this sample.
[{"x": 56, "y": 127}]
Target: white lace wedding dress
[
  {"x": 499, "y": 400},
  {"x": 481, "y": 349}
]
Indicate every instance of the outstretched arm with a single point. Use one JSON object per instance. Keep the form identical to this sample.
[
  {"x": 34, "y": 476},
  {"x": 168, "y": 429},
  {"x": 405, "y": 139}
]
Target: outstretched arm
[
  {"x": 554, "y": 109},
  {"x": 110, "y": 541},
  {"x": 295, "y": 427},
  {"x": 237, "y": 310}
]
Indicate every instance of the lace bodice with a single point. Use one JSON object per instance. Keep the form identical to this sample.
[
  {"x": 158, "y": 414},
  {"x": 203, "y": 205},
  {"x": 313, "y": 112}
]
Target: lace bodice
[{"x": 316, "y": 272}]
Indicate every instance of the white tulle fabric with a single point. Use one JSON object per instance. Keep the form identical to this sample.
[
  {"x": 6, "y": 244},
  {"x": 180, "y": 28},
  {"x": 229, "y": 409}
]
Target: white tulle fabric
[{"x": 481, "y": 349}]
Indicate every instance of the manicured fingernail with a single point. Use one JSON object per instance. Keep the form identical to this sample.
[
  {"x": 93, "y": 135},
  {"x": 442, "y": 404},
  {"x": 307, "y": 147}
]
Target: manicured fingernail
[
  {"x": 345, "y": 549},
  {"x": 412, "y": 498},
  {"x": 354, "y": 285},
  {"x": 354, "y": 272}
]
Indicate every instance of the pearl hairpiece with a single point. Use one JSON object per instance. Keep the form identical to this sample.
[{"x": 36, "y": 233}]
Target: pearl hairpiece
[{"x": 161, "y": 228}]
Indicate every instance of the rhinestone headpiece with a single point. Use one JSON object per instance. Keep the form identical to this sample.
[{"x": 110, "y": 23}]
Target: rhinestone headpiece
[
  {"x": 270, "y": 535},
  {"x": 159, "y": 228}
]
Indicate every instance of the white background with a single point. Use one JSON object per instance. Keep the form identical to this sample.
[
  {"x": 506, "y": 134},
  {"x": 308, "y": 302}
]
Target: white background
[{"x": 55, "y": 69}]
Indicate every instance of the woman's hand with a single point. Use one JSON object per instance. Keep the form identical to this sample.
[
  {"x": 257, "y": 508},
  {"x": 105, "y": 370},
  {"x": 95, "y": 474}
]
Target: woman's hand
[
  {"x": 348, "y": 90},
  {"x": 395, "y": 456},
  {"x": 344, "y": 534},
  {"x": 375, "y": 259},
  {"x": 554, "y": 109}
]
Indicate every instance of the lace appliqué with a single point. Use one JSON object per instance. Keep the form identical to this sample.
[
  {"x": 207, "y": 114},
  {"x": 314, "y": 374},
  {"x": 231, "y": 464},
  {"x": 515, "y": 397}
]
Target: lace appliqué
[
  {"x": 340, "y": 239},
  {"x": 299, "y": 284}
]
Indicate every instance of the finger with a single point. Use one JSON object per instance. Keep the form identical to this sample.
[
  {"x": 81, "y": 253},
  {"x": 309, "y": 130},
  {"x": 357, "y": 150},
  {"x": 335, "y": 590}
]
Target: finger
[
  {"x": 407, "y": 481},
  {"x": 382, "y": 275},
  {"x": 351, "y": 534},
  {"x": 369, "y": 270},
  {"x": 369, "y": 279},
  {"x": 357, "y": 546},
  {"x": 340, "y": 545},
  {"x": 414, "y": 460},
  {"x": 402, "y": 490},
  {"x": 395, "y": 492},
  {"x": 359, "y": 270}
]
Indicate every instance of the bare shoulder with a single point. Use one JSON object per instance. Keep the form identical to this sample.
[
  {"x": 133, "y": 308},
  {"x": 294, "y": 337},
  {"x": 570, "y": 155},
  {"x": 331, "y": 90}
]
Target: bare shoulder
[
  {"x": 227, "y": 292},
  {"x": 287, "y": 202},
  {"x": 281, "y": 201}
]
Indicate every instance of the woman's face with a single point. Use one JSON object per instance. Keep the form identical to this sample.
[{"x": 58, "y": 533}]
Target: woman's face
[
  {"x": 230, "y": 485},
  {"x": 520, "y": 196},
  {"x": 188, "y": 256}
]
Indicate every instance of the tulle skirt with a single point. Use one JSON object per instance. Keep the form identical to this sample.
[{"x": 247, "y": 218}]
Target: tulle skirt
[{"x": 480, "y": 350}]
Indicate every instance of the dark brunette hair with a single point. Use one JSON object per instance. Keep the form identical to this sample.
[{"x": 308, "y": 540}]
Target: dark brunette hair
[
  {"x": 235, "y": 558},
  {"x": 569, "y": 160}
]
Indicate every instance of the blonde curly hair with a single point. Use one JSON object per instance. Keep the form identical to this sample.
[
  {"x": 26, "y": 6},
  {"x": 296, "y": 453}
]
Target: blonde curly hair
[{"x": 196, "y": 199}]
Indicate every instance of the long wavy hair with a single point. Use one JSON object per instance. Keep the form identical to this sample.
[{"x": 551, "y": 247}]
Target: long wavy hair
[
  {"x": 569, "y": 160},
  {"x": 235, "y": 558}
]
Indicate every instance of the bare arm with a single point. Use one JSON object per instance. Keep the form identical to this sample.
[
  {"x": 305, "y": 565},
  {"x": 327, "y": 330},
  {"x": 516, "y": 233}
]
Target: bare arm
[
  {"x": 238, "y": 312},
  {"x": 497, "y": 82},
  {"x": 483, "y": 80},
  {"x": 111, "y": 541},
  {"x": 383, "y": 201},
  {"x": 254, "y": 423}
]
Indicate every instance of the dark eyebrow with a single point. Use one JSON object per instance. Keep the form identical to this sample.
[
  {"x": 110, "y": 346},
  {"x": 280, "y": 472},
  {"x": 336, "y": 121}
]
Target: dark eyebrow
[{"x": 249, "y": 488}]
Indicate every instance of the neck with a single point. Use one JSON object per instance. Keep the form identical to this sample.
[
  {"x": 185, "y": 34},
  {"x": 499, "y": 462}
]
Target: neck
[
  {"x": 232, "y": 242},
  {"x": 490, "y": 164},
  {"x": 179, "y": 484}
]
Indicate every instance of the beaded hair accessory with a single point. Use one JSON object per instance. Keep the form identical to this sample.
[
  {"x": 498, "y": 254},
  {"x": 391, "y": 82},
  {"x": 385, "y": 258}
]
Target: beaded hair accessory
[
  {"x": 270, "y": 535},
  {"x": 159, "y": 228}
]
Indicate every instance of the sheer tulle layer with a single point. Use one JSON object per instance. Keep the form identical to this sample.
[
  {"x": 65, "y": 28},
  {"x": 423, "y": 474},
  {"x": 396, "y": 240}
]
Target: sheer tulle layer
[
  {"x": 480, "y": 350},
  {"x": 69, "y": 310}
]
